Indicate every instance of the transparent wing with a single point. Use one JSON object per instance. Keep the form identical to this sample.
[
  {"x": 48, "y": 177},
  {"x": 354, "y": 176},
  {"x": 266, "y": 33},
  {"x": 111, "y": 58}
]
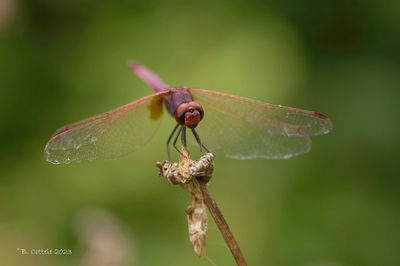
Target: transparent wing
[
  {"x": 246, "y": 129},
  {"x": 108, "y": 135}
]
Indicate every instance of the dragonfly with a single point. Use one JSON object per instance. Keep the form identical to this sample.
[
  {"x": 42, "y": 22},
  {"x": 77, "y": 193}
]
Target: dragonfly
[{"x": 242, "y": 128}]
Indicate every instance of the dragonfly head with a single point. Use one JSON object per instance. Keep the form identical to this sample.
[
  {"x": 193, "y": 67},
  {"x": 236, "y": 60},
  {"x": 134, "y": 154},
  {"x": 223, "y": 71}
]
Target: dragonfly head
[{"x": 189, "y": 114}]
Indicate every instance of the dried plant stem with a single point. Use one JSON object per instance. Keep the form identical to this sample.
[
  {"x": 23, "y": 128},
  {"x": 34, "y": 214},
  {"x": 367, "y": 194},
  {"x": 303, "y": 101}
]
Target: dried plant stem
[
  {"x": 222, "y": 225},
  {"x": 194, "y": 176}
]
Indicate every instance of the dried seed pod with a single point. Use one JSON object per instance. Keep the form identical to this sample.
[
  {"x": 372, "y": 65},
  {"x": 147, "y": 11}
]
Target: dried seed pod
[{"x": 186, "y": 174}]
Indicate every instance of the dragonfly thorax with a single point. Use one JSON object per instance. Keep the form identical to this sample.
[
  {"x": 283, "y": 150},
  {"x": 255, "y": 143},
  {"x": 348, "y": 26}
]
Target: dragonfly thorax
[{"x": 189, "y": 114}]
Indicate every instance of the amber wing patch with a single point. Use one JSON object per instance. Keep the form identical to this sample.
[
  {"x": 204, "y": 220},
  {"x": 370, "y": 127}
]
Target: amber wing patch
[{"x": 156, "y": 107}]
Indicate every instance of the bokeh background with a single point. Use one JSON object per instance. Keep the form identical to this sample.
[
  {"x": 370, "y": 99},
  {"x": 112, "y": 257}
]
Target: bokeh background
[{"x": 62, "y": 61}]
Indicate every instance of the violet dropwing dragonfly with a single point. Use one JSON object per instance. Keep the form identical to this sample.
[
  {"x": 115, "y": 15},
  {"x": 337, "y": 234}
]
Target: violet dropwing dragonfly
[{"x": 243, "y": 128}]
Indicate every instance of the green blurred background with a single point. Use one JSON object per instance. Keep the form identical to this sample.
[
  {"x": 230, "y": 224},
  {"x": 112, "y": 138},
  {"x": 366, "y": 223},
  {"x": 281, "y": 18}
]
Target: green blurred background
[{"x": 62, "y": 61}]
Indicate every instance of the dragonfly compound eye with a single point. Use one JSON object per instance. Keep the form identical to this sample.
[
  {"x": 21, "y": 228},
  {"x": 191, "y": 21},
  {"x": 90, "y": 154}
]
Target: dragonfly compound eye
[{"x": 189, "y": 114}]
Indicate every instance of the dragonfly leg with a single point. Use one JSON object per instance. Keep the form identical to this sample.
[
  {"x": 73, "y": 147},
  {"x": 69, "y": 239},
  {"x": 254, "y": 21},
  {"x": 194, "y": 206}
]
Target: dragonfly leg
[
  {"x": 169, "y": 140},
  {"x": 196, "y": 136},
  {"x": 183, "y": 137},
  {"x": 176, "y": 139}
]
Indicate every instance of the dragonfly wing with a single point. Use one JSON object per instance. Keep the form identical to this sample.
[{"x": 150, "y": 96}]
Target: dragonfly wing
[
  {"x": 108, "y": 135},
  {"x": 244, "y": 128}
]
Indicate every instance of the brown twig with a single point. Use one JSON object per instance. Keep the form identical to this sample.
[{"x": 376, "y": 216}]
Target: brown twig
[
  {"x": 222, "y": 225},
  {"x": 194, "y": 176}
]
